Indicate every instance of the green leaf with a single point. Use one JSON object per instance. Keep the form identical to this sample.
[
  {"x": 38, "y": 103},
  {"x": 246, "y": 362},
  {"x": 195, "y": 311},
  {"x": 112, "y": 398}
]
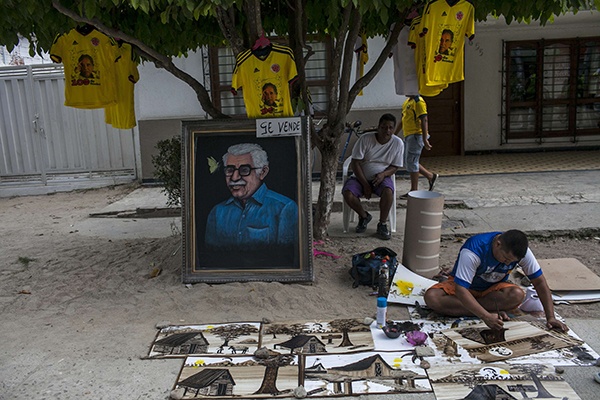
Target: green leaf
[
  {"x": 90, "y": 8},
  {"x": 164, "y": 17},
  {"x": 197, "y": 13},
  {"x": 191, "y": 5},
  {"x": 384, "y": 15},
  {"x": 145, "y": 6}
]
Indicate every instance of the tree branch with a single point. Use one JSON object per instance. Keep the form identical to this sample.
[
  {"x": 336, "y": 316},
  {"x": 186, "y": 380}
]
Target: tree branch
[
  {"x": 254, "y": 24},
  {"x": 344, "y": 95},
  {"x": 334, "y": 68},
  {"x": 227, "y": 25},
  {"x": 158, "y": 59},
  {"x": 381, "y": 59}
]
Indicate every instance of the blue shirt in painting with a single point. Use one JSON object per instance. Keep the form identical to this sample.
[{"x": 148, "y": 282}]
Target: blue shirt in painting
[
  {"x": 477, "y": 269},
  {"x": 267, "y": 219}
]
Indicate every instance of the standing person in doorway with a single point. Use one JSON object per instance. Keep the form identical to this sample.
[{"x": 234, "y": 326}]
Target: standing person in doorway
[
  {"x": 416, "y": 137},
  {"x": 376, "y": 157}
]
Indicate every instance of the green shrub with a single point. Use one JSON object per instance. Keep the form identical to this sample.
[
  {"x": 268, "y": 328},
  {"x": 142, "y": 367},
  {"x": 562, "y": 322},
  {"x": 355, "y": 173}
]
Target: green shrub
[{"x": 167, "y": 168}]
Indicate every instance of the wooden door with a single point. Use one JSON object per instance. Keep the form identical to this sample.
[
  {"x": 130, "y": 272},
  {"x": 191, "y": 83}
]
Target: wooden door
[{"x": 445, "y": 118}]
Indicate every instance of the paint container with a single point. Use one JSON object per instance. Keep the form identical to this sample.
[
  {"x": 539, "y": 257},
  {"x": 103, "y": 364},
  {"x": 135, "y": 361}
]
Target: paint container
[
  {"x": 422, "y": 232},
  {"x": 381, "y": 311}
]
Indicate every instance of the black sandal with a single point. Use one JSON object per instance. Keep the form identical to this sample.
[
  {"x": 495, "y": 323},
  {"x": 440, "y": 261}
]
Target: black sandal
[{"x": 432, "y": 181}]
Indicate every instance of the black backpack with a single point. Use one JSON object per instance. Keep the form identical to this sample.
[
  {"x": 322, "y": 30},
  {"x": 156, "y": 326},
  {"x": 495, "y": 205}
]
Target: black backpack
[{"x": 366, "y": 266}]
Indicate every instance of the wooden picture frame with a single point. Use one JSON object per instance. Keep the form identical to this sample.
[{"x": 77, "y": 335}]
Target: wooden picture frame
[{"x": 211, "y": 260}]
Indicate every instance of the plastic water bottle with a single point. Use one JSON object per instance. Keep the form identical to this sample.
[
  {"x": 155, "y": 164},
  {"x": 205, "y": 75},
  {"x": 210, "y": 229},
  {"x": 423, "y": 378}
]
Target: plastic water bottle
[
  {"x": 383, "y": 280},
  {"x": 381, "y": 311}
]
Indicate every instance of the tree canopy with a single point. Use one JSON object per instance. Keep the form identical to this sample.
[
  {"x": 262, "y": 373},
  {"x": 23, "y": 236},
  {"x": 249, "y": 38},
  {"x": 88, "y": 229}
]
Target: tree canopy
[
  {"x": 175, "y": 27},
  {"x": 162, "y": 29}
]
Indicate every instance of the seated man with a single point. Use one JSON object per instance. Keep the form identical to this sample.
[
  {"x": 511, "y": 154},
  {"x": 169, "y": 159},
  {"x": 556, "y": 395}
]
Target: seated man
[
  {"x": 478, "y": 283},
  {"x": 376, "y": 157}
]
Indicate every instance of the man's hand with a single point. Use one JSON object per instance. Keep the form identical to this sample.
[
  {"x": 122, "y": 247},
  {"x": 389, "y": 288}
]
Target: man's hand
[
  {"x": 426, "y": 144},
  {"x": 367, "y": 191},
  {"x": 495, "y": 321},
  {"x": 378, "y": 179},
  {"x": 553, "y": 323}
]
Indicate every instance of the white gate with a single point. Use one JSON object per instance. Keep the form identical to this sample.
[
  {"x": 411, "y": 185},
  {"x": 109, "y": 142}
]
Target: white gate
[{"x": 45, "y": 146}]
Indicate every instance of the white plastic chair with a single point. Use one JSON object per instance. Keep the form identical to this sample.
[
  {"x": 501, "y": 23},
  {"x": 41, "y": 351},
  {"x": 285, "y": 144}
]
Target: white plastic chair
[{"x": 348, "y": 214}]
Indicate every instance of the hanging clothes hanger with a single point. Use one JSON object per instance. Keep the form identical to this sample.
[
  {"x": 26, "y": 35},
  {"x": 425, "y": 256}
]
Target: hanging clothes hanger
[
  {"x": 85, "y": 29},
  {"x": 262, "y": 42},
  {"x": 262, "y": 47}
]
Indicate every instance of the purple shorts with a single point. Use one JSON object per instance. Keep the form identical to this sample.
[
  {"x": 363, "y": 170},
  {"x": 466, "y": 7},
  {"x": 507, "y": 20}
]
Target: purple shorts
[{"x": 354, "y": 186}]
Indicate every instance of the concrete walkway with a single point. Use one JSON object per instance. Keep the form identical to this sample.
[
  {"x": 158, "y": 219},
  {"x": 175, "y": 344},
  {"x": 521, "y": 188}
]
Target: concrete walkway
[{"x": 533, "y": 202}]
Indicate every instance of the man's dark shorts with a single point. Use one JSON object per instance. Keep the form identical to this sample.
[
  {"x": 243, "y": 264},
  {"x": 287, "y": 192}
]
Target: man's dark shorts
[{"x": 354, "y": 186}]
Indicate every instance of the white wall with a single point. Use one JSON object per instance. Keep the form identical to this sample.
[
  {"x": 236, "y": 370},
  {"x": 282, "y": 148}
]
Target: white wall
[
  {"x": 381, "y": 93},
  {"x": 160, "y": 95},
  {"x": 483, "y": 77},
  {"x": 20, "y": 55}
]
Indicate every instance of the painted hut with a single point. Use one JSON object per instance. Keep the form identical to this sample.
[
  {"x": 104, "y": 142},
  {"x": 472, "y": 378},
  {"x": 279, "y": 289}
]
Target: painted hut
[
  {"x": 182, "y": 343},
  {"x": 305, "y": 344},
  {"x": 209, "y": 382}
]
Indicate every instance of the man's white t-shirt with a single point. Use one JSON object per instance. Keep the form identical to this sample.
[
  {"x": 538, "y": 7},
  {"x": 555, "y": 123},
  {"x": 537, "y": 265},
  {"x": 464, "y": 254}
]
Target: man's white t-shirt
[{"x": 376, "y": 157}]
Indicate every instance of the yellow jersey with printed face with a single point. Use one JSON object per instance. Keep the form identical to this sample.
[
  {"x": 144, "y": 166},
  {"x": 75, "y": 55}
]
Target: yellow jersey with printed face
[
  {"x": 412, "y": 110},
  {"x": 447, "y": 23},
  {"x": 89, "y": 65},
  {"x": 265, "y": 81},
  {"x": 122, "y": 114},
  {"x": 416, "y": 39}
]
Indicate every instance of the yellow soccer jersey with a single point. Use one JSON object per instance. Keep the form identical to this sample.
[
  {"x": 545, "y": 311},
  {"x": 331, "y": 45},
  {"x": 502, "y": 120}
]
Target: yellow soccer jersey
[
  {"x": 413, "y": 108},
  {"x": 266, "y": 82},
  {"x": 89, "y": 61},
  {"x": 447, "y": 26},
  {"x": 122, "y": 114},
  {"x": 416, "y": 39}
]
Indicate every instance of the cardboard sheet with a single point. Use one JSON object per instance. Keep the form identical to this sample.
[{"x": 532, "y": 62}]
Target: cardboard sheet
[{"x": 569, "y": 274}]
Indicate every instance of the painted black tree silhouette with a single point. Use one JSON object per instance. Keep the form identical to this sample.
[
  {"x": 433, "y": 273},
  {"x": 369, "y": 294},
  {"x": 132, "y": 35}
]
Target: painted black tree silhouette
[
  {"x": 283, "y": 329},
  {"x": 272, "y": 361},
  {"x": 344, "y": 326},
  {"x": 233, "y": 331},
  {"x": 535, "y": 371}
]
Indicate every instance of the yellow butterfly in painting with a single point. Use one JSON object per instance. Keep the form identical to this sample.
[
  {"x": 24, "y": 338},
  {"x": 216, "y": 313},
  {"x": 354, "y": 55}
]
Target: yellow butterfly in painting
[{"x": 213, "y": 165}]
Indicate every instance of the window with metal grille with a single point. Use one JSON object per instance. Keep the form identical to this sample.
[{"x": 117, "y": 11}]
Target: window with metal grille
[
  {"x": 551, "y": 89},
  {"x": 222, "y": 62}
]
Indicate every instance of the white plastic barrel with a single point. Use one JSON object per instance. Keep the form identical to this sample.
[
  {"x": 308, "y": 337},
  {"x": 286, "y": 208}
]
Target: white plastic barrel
[{"x": 422, "y": 232}]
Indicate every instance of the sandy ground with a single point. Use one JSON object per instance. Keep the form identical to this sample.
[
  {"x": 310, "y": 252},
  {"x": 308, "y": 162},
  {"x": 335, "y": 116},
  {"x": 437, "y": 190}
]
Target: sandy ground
[{"x": 73, "y": 306}]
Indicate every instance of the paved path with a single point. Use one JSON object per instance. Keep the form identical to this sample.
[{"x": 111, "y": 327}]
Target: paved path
[{"x": 533, "y": 202}]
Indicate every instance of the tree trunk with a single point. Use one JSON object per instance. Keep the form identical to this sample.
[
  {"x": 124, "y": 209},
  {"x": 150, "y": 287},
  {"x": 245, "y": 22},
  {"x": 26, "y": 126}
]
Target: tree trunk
[
  {"x": 268, "y": 385},
  {"x": 329, "y": 167},
  {"x": 346, "y": 342}
]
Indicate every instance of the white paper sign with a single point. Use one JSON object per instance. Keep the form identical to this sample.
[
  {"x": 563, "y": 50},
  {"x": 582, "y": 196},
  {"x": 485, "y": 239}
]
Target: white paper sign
[{"x": 279, "y": 127}]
